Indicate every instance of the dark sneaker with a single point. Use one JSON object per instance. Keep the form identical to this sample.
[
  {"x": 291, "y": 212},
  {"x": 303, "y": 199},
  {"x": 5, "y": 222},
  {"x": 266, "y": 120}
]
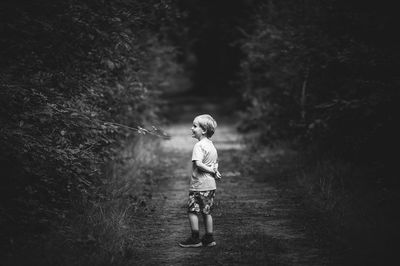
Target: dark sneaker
[
  {"x": 208, "y": 240},
  {"x": 191, "y": 243}
]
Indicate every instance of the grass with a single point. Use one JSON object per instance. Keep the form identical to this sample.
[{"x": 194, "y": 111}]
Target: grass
[
  {"x": 351, "y": 196},
  {"x": 100, "y": 229},
  {"x": 352, "y": 207}
]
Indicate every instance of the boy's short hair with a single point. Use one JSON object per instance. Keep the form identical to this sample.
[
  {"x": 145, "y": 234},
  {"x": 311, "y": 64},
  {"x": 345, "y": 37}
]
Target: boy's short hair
[{"x": 207, "y": 123}]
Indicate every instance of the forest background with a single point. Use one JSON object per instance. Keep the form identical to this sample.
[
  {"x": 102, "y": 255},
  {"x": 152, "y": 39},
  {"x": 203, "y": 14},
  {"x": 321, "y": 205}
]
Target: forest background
[{"x": 80, "y": 80}]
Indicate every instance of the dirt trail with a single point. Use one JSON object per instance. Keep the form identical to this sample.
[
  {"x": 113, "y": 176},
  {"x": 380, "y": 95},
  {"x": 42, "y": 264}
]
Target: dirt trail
[{"x": 252, "y": 222}]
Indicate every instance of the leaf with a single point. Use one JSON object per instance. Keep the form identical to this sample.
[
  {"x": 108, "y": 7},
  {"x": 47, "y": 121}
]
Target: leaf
[{"x": 110, "y": 64}]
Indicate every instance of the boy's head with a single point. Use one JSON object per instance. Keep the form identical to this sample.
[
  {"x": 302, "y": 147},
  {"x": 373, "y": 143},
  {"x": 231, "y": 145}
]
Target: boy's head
[{"x": 207, "y": 123}]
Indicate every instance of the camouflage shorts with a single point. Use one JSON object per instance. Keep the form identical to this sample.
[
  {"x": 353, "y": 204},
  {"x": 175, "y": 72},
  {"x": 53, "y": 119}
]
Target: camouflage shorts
[{"x": 201, "y": 201}]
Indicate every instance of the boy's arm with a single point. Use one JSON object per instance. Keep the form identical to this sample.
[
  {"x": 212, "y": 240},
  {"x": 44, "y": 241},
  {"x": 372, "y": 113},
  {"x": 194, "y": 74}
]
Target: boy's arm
[{"x": 203, "y": 167}]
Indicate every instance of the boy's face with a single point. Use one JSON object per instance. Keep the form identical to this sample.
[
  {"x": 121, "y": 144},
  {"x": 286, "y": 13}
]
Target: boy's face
[{"x": 197, "y": 131}]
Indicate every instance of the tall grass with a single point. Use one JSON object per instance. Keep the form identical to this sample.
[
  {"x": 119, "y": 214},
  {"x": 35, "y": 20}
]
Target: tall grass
[
  {"x": 325, "y": 181},
  {"x": 348, "y": 205},
  {"x": 110, "y": 221},
  {"x": 102, "y": 228},
  {"x": 356, "y": 203}
]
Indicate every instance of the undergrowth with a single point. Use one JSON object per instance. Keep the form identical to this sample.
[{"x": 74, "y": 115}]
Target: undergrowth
[
  {"x": 349, "y": 207},
  {"x": 101, "y": 229}
]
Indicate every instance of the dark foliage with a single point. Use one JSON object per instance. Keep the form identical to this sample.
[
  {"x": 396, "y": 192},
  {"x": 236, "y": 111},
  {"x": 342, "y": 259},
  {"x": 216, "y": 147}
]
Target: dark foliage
[
  {"x": 325, "y": 72},
  {"x": 76, "y": 77}
]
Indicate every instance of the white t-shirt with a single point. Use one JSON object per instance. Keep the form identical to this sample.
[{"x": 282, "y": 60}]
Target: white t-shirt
[{"x": 205, "y": 152}]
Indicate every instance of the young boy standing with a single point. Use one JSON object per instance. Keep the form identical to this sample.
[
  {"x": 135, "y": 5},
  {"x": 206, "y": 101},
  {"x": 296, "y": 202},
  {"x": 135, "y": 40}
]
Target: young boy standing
[{"x": 202, "y": 182}]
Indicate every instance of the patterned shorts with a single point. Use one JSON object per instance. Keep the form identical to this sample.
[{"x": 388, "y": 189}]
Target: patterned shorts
[{"x": 201, "y": 201}]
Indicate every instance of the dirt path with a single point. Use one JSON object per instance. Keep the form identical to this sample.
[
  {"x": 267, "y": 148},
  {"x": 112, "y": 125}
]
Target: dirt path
[{"x": 253, "y": 224}]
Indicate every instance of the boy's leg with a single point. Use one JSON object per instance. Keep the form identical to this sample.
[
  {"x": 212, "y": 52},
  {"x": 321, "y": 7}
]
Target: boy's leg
[
  {"x": 194, "y": 221},
  {"x": 208, "y": 223},
  {"x": 208, "y": 238},
  {"x": 194, "y": 224},
  {"x": 194, "y": 239},
  {"x": 206, "y": 205}
]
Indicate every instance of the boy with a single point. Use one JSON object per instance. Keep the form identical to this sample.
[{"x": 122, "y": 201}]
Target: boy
[{"x": 202, "y": 183}]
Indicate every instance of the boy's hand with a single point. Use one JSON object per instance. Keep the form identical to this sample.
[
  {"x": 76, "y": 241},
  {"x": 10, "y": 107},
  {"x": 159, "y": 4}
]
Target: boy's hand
[{"x": 217, "y": 176}]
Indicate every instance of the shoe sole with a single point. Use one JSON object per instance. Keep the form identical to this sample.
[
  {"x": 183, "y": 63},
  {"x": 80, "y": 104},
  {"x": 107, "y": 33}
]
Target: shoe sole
[
  {"x": 211, "y": 244},
  {"x": 191, "y": 245}
]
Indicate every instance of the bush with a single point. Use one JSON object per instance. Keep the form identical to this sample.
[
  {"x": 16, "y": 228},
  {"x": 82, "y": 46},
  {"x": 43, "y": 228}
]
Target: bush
[
  {"x": 313, "y": 73},
  {"x": 77, "y": 76}
]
